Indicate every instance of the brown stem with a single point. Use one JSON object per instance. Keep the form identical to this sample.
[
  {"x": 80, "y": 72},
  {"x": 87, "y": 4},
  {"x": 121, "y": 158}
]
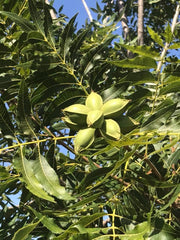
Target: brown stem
[
  {"x": 124, "y": 23},
  {"x": 151, "y": 165},
  {"x": 140, "y": 22}
]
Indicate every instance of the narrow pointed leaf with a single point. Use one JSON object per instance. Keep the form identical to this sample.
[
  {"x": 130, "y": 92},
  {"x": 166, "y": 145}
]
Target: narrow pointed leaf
[
  {"x": 6, "y": 125},
  {"x": 77, "y": 42},
  {"x": 67, "y": 36},
  {"x": 49, "y": 179},
  {"x": 155, "y": 121},
  {"x": 24, "y": 167},
  {"x": 36, "y": 16},
  {"x": 155, "y": 36},
  {"x": 24, "y": 232},
  {"x": 24, "y": 109},
  {"x": 142, "y": 50},
  {"x": 88, "y": 59},
  {"x": 22, "y": 22},
  {"x": 51, "y": 84},
  {"x": 47, "y": 222},
  {"x": 64, "y": 99},
  {"x": 137, "y": 62}
]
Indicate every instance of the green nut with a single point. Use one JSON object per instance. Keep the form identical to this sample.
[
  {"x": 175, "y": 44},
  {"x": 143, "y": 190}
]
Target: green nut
[
  {"x": 111, "y": 130},
  {"x": 77, "y": 113},
  {"x": 95, "y": 118},
  {"x": 94, "y": 101},
  {"x": 113, "y": 107},
  {"x": 84, "y": 139}
]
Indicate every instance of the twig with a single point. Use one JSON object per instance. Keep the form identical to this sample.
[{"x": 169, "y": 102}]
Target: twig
[
  {"x": 166, "y": 46},
  {"x": 163, "y": 54},
  {"x": 151, "y": 165}
]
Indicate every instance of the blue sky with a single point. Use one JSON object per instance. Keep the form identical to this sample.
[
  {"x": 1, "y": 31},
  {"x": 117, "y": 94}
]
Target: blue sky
[{"x": 71, "y": 7}]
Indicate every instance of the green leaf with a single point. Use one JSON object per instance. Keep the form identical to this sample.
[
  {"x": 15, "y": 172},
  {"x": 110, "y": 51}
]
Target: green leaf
[
  {"x": 22, "y": 22},
  {"x": 80, "y": 225},
  {"x": 175, "y": 46},
  {"x": 36, "y": 15},
  {"x": 162, "y": 230},
  {"x": 142, "y": 50},
  {"x": 174, "y": 196},
  {"x": 24, "y": 109},
  {"x": 168, "y": 34},
  {"x": 86, "y": 200},
  {"x": 4, "y": 49},
  {"x": 171, "y": 87},
  {"x": 51, "y": 84},
  {"x": 47, "y": 222},
  {"x": 6, "y": 125},
  {"x": 137, "y": 62},
  {"x": 136, "y": 234},
  {"x": 127, "y": 124},
  {"x": 49, "y": 179},
  {"x": 67, "y": 36},
  {"x": 159, "y": 118},
  {"x": 87, "y": 61},
  {"x": 24, "y": 166},
  {"x": 93, "y": 177},
  {"x": 77, "y": 42},
  {"x": 6, "y": 65},
  {"x": 154, "y": 1},
  {"x": 24, "y": 232},
  {"x": 36, "y": 35},
  {"x": 64, "y": 99},
  {"x": 137, "y": 78},
  {"x": 155, "y": 36},
  {"x": 174, "y": 158}
]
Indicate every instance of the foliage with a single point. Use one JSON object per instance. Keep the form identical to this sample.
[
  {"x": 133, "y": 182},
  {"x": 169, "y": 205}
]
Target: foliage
[{"x": 126, "y": 189}]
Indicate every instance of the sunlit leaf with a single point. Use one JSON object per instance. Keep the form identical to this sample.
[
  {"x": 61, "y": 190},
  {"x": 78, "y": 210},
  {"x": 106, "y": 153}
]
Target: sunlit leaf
[
  {"x": 22, "y": 22},
  {"x": 24, "y": 166},
  {"x": 137, "y": 62},
  {"x": 48, "y": 178}
]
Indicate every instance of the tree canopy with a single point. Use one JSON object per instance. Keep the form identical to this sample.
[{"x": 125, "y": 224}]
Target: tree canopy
[{"x": 110, "y": 186}]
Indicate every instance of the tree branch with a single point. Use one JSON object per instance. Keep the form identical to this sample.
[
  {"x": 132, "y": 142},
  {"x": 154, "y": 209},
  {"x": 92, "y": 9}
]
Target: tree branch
[
  {"x": 140, "y": 22},
  {"x": 166, "y": 46},
  {"x": 52, "y": 13},
  {"x": 87, "y": 10},
  {"x": 124, "y": 23}
]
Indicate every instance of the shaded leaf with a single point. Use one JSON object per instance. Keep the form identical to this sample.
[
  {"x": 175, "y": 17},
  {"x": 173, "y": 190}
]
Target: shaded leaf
[
  {"x": 36, "y": 15},
  {"x": 87, "y": 61},
  {"x": 6, "y": 125},
  {"x": 24, "y": 109},
  {"x": 65, "y": 98},
  {"x": 67, "y": 36}
]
